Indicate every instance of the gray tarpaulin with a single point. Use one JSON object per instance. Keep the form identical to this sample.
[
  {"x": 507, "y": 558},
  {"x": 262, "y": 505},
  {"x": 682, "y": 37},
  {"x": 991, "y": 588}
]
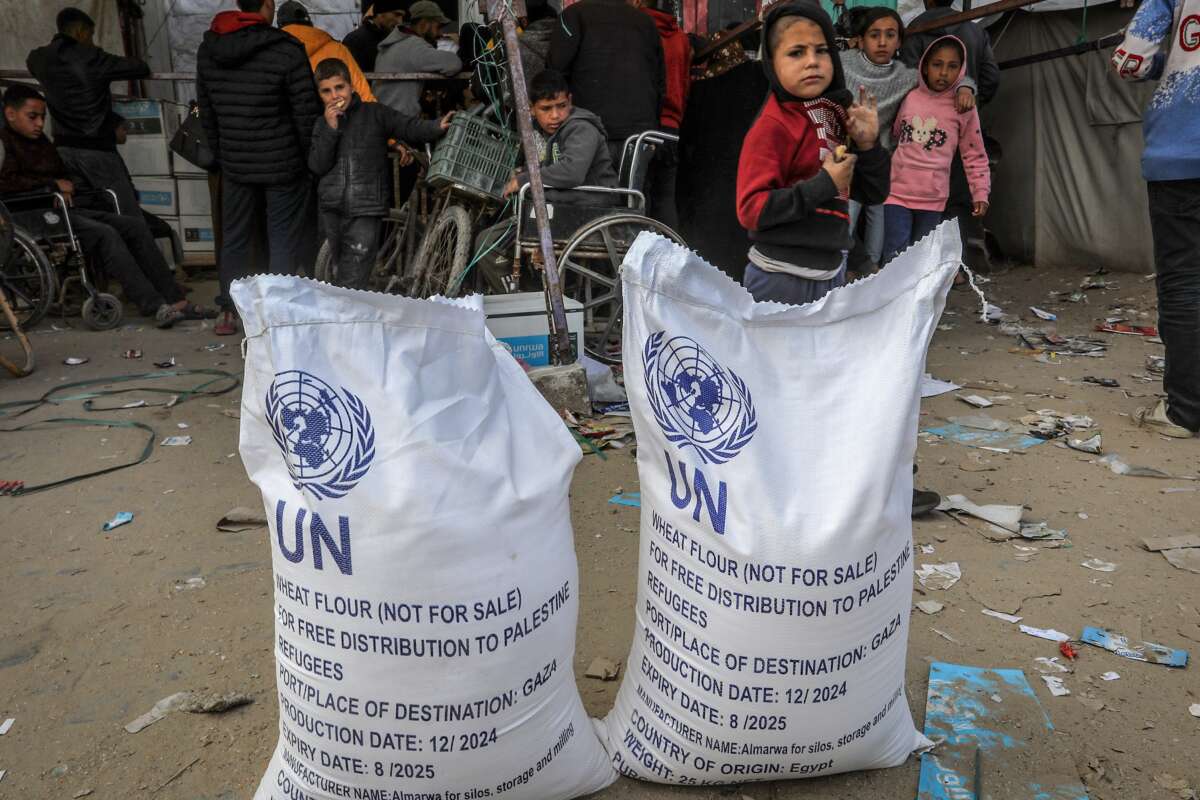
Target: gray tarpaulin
[{"x": 1069, "y": 189}]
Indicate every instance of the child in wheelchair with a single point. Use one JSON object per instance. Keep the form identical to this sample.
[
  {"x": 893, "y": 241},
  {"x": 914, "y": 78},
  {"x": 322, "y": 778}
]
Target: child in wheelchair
[
  {"x": 573, "y": 151},
  {"x": 120, "y": 245}
]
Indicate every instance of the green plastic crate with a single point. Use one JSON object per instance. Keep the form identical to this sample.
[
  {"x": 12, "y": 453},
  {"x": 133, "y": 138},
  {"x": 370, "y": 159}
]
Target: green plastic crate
[{"x": 475, "y": 156}]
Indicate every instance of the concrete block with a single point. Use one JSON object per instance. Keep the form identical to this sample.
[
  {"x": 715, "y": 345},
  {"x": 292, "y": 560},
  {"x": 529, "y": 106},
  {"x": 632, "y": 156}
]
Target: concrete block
[{"x": 563, "y": 387}]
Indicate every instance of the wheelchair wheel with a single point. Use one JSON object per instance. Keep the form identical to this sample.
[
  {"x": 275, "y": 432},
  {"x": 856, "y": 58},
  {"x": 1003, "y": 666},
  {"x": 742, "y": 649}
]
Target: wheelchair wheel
[
  {"x": 393, "y": 265},
  {"x": 102, "y": 312},
  {"x": 444, "y": 252},
  {"x": 29, "y": 280},
  {"x": 590, "y": 270}
]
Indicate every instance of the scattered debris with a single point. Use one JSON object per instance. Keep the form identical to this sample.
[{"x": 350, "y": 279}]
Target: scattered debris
[
  {"x": 1129, "y": 330},
  {"x": 1055, "y": 685},
  {"x": 631, "y": 499},
  {"x": 1108, "y": 383},
  {"x": 132, "y": 354},
  {"x": 233, "y": 413},
  {"x": 241, "y": 519},
  {"x": 604, "y": 669},
  {"x": 1041, "y": 532},
  {"x": 1006, "y": 517},
  {"x": 1001, "y": 615},
  {"x": 1141, "y": 651},
  {"x": 214, "y": 702},
  {"x": 1109, "y": 676},
  {"x": 930, "y": 606},
  {"x": 1092, "y": 444},
  {"x": 1194, "y": 709},
  {"x": 170, "y": 362},
  {"x": 191, "y": 583},
  {"x": 975, "y": 400},
  {"x": 1179, "y": 786},
  {"x": 981, "y": 422},
  {"x": 1068, "y": 650},
  {"x": 1092, "y": 703},
  {"x": 121, "y": 518},
  {"x": 1046, "y": 633},
  {"x": 1119, "y": 466},
  {"x": 176, "y": 441},
  {"x": 1183, "y": 558},
  {"x": 1177, "y": 489},
  {"x": 995, "y": 441},
  {"x": 1050, "y": 665},
  {"x": 1092, "y": 282},
  {"x": 73, "y": 361},
  {"x": 212, "y": 348},
  {"x": 6, "y": 726},
  {"x": 1156, "y": 543},
  {"x": 946, "y": 636},
  {"x": 932, "y": 387},
  {"x": 1046, "y": 315},
  {"x": 160, "y": 710},
  {"x": 939, "y": 576},
  {"x": 1099, "y": 565},
  {"x": 1156, "y": 365}
]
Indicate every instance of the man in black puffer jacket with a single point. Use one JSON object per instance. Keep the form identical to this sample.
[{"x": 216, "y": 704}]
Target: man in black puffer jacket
[
  {"x": 613, "y": 59},
  {"x": 350, "y": 157},
  {"x": 258, "y": 105},
  {"x": 75, "y": 75}
]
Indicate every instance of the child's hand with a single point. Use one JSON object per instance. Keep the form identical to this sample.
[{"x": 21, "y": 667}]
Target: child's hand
[
  {"x": 404, "y": 154},
  {"x": 980, "y": 208},
  {"x": 964, "y": 99},
  {"x": 333, "y": 113},
  {"x": 841, "y": 171},
  {"x": 445, "y": 121},
  {"x": 863, "y": 125}
]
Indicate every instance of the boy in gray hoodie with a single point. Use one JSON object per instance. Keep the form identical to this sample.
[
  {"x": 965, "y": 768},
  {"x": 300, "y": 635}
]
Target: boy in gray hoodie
[{"x": 572, "y": 152}]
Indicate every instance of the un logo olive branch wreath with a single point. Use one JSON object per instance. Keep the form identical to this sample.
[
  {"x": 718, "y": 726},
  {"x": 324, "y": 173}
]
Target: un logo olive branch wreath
[{"x": 726, "y": 448}]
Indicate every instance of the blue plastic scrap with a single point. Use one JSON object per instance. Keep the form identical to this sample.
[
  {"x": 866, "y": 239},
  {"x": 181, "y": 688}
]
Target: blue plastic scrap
[
  {"x": 961, "y": 702},
  {"x": 631, "y": 499},
  {"x": 972, "y": 437},
  {"x": 122, "y": 518},
  {"x": 1138, "y": 651}
]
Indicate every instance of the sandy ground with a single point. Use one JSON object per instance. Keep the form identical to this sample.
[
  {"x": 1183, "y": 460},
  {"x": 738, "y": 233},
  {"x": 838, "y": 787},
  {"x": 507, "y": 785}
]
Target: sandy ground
[{"x": 99, "y": 626}]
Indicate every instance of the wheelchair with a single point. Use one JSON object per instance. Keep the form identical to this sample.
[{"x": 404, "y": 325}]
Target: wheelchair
[
  {"x": 47, "y": 263},
  {"x": 591, "y": 241}
]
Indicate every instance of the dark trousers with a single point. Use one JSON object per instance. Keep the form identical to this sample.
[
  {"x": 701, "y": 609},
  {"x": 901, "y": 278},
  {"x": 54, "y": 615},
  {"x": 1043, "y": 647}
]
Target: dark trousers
[
  {"x": 291, "y": 231},
  {"x": 904, "y": 226},
  {"x": 781, "y": 287},
  {"x": 123, "y": 247},
  {"x": 102, "y": 169},
  {"x": 1175, "y": 224},
  {"x": 660, "y": 185},
  {"x": 353, "y": 246}
]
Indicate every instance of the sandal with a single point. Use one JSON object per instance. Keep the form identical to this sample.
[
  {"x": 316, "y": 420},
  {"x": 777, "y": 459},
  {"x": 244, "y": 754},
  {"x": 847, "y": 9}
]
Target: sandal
[
  {"x": 227, "y": 326},
  {"x": 167, "y": 316},
  {"x": 197, "y": 311}
]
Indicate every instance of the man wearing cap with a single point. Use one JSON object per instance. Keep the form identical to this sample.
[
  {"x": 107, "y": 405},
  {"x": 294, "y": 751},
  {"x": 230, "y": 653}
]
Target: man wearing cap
[
  {"x": 381, "y": 19},
  {"x": 293, "y": 17},
  {"x": 413, "y": 48},
  {"x": 76, "y": 75}
]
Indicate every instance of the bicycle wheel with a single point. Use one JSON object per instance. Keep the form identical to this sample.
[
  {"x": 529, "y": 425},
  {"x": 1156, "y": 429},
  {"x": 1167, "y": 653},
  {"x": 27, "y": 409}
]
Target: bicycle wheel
[
  {"x": 443, "y": 252},
  {"x": 29, "y": 280},
  {"x": 323, "y": 268}
]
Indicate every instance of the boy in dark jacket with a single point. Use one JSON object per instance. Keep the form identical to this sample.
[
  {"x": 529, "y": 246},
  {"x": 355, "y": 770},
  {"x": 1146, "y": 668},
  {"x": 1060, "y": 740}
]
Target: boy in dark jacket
[
  {"x": 349, "y": 157},
  {"x": 573, "y": 152}
]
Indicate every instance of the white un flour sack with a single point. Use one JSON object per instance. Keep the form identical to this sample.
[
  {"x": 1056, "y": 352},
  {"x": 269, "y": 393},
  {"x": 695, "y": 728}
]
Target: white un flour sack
[
  {"x": 426, "y": 589},
  {"x": 775, "y": 451}
]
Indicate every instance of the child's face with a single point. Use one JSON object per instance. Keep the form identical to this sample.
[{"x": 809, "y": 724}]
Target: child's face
[
  {"x": 882, "y": 40},
  {"x": 335, "y": 91},
  {"x": 802, "y": 59},
  {"x": 28, "y": 120},
  {"x": 551, "y": 113},
  {"x": 941, "y": 68}
]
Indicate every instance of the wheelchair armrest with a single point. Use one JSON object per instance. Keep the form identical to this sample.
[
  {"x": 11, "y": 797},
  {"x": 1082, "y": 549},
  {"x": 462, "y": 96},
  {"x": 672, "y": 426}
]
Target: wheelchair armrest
[
  {"x": 107, "y": 194},
  {"x": 636, "y": 200},
  {"x": 22, "y": 197}
]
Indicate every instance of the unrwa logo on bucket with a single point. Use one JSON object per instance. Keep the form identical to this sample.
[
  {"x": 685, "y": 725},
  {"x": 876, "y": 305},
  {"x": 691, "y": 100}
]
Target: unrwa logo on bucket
[
  {"x": 697, "y": 402},
  {"x": 326, "y": 437}
]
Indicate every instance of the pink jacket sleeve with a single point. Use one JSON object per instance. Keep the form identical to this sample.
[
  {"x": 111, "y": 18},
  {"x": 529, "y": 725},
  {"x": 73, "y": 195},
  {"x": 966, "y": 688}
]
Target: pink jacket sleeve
[{"x": 974, "y": 156}]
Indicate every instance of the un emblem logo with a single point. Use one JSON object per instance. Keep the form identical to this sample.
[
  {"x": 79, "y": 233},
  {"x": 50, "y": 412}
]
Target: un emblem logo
[
  {"x": 326, "y": 437},
  {"x": 696, "y": 401}
]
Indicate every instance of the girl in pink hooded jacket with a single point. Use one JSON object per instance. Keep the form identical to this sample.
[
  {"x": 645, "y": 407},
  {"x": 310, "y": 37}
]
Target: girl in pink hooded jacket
[{"x": 928, "y": 128}]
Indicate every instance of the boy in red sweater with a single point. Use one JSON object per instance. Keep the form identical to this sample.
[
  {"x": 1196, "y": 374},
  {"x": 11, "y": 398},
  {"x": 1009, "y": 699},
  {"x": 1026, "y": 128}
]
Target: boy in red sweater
[{"x": 794, "y": 175}]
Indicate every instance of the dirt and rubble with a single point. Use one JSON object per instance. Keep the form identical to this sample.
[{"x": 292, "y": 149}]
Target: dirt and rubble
[{"x": 100, "y": 626}]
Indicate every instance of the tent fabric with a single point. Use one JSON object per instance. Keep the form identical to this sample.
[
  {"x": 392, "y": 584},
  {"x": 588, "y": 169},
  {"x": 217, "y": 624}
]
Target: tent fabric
[{"x": 1069, "y": 190}]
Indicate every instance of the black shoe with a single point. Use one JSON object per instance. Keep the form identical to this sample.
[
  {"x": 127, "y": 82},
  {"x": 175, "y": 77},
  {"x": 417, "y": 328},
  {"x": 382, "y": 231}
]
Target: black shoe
[{"x": 924, "y": 502}]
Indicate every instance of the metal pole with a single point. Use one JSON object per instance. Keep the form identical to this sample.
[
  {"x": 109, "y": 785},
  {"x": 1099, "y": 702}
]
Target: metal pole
[{"x": 560, "y": 342}]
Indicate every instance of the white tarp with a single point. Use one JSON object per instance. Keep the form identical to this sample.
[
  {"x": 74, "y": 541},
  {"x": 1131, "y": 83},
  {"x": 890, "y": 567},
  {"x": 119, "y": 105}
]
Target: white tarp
[{"x": 775, "y": 453}]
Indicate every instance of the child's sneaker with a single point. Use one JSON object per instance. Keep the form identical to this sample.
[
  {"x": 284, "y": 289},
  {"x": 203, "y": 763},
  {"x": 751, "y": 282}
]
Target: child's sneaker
[
  {"x": 1156, "y": 417},
  {"x": 924, "y": 502}
]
